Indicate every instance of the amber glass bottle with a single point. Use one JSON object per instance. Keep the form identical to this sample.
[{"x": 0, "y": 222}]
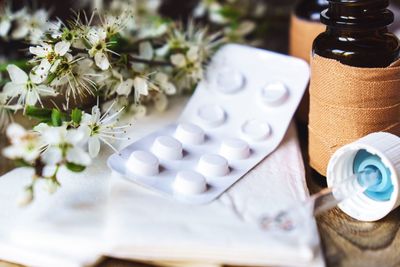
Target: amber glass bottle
[
  {"x": 310, "y": 9},
  {"x": 357, "y": 33},
  {"x": 305, "y": 26}
]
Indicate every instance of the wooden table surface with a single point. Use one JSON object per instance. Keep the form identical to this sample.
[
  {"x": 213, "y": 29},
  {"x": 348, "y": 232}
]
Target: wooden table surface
[{"x": 346, "y": 242}]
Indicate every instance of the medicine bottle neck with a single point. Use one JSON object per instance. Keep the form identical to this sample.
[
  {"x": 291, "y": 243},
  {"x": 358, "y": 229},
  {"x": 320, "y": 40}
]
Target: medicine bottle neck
[
  {"x": 357, "y": 15},
  {"x": 310, "y": 9},
  {"x": 357, "y": 33}
]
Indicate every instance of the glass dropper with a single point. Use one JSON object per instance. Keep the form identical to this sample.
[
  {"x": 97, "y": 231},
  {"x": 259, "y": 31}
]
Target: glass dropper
[{"x": 323, "y": 201}]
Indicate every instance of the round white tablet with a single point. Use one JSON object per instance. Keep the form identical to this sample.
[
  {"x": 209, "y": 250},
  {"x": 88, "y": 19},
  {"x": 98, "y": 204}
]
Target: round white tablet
[
  {"x": 230, "y": 81},
  {"x": 211, "y": 115},
  {"x": 143, "y": 163},
  {"x": 189, "y": 183},
  {"x": 167, "y": 147},
  {"x": 190, "y": 133},
  {"x": 274, "y": 94},
  {"x": 213, "y": 165},
  {"x": 256, "y": 130},
  {"x": 235, "y": 149}
]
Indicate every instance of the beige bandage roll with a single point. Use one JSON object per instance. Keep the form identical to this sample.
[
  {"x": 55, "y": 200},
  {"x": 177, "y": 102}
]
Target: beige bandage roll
[
  {"x": 302, "y": 35},
  {"x": 347, "y": 103}
]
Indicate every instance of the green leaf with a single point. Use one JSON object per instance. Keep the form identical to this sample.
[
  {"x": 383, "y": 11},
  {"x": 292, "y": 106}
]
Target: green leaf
[
  {"x": 41, "y": 114},
  {"x": 23, "y": 64},
  {"x": 21, "y": 163},
  {"x": 230, "y": 13},
  {"x": 75, "y": 167},
  {"x": 56, "y": 118},
  {"x": 76, "y": 116}
]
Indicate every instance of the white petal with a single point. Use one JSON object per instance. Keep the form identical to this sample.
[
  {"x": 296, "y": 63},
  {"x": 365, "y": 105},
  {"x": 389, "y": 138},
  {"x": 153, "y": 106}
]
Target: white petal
[
  {"x": 178, "y": 60},
  {"x": 146, "y": 50},
  {"x": 55, "y": 65},
  {"x": 93, "y": 36},
  {"x": 78, "y": 156},
  {"x": 161, "y": 102},
  {"x": 141, "y": 86},
  {"x": 193, "y": 54},
  {"x": 125, "y": 87},
  {"x": 161, "y": 78},
  {"x": 20, "y": 32},
  {"x": 74, "y": 136},
  {"x": 200, "y": 10},
  {"x": 41, "y": 50},
  {"x": 51, "y": 135},
  {"x": 169, "y": 89},
  {"x": 45, "y": 90},
  {"x": 13, "y": 89},
  {"x": 39, "y": 73},
  {"x": 5, "y": 27},
  {"x": 15, "y": 131},
  {"x": 96, "y": 114},
  {"x": 94, "y": 146},
  {"x": 139, "y": 111},
  {"x": 246, "y": 27},
  {"x": 17, "y": 75},
  {"x": 101, "y": 61},
  {"x": 52, "y": 156},
  {"x": 31, "y": 98},
  {"x": 12, "y": 152},
  {"x": 61, "y": 48}
]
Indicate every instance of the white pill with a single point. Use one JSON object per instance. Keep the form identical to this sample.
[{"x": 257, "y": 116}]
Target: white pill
[
  {"x": 211, "y": 115},
  {"x": 274, "y": 94},
  {"x": 230, "y": 81},
  {"x": 190, "y": 133},
  {"x": 235, "y": 149},
  {"x": 213, "y": 165},
  {"x": 167, "y": 147},
  {"x": 189, "y": 183},
  {"x": 256, "y": 130},
  {"x": 143, "y": 163}
]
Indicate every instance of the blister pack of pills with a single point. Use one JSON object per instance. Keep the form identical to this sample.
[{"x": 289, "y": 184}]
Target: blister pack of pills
[{"x": 237, "y": 116}]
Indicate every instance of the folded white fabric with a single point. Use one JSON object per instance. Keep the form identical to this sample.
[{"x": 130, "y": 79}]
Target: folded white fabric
[{"x": 91, "y": 215}]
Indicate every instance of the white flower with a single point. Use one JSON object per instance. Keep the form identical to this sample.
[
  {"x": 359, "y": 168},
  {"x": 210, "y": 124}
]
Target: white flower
[
  {"x": 63, "y": 145},
  {"x": 101, "y": 128},
  {"x": 22, "y": 86},
  {"x": 25, "y": 144},
  {"x": 165, "y": 85},
  {"x": 47, "y": 51},
  {"x": 31, "y": 26},
  {"x": 97, "y": 39}
]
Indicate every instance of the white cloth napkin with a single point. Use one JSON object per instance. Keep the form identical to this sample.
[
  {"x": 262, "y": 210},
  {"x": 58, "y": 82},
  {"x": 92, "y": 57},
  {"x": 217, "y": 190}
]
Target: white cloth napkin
[{"x": 93, "y": 215}]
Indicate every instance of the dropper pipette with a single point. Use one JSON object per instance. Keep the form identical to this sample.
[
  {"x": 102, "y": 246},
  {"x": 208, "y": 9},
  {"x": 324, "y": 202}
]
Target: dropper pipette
[{"x": 324, "y": 200}]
